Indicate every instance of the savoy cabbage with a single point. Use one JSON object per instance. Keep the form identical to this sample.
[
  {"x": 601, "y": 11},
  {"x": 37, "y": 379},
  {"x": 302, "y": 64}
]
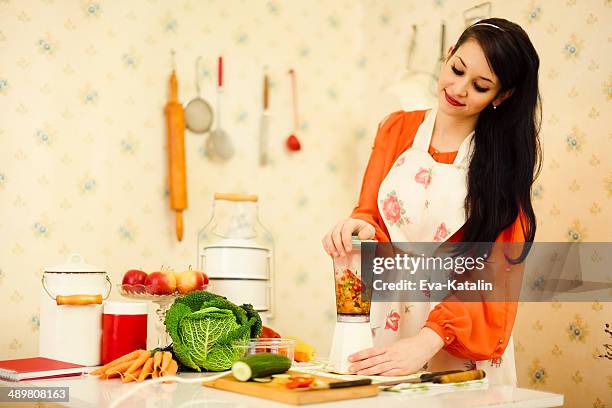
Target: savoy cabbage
[{"x": 203, "y": 326}]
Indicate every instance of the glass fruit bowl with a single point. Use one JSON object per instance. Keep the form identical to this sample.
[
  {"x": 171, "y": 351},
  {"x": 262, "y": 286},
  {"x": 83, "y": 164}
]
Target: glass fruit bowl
[
  {"x": 163, "y": 300},
  {"x": 282, "y": 346},
  {"x": 150, "y": 292}
]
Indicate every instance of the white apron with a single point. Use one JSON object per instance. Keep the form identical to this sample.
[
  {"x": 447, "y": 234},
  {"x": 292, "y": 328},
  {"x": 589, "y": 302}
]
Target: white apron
[{"x": 422, "y": 200}]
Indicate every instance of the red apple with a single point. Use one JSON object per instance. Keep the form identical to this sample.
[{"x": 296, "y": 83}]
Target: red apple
[
  {"x": 171, "y": 276},
  {"x": 204, "y": 278},
  {"x": 159, "y": 283},
  {"x": 134, "y": 278},
  {"x": 189, "y": 281}
]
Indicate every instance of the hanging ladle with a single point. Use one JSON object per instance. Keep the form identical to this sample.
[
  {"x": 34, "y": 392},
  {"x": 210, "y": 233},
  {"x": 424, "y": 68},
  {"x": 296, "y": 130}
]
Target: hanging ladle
[{"x": 292, "y": 142}]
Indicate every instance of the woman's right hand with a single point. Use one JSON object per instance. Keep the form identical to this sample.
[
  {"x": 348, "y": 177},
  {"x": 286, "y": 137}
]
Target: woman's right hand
[{"x": 337, "y": 242}]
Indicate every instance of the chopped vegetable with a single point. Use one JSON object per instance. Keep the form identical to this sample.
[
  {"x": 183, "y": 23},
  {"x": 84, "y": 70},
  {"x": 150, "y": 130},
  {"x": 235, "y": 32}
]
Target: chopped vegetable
[
  {"x": 299, "y": 382},
  {"x": 281, "y": 381},
  {"x": 260, "y": 365},
  {"x": 268, "y": 333},
  {"x": 348, "y": 294},
  {"x": 281, "y": 376},
  {"x": 263, "y": 379},
  {"x": 303, "y": 352}
]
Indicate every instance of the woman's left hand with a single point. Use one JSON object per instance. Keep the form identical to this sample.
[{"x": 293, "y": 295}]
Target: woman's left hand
[{"x": 403, "y": 357}]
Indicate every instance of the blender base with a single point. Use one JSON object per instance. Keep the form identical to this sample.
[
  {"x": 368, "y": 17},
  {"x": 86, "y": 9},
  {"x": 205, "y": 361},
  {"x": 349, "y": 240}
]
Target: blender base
[{"x": 348, "y": 338}]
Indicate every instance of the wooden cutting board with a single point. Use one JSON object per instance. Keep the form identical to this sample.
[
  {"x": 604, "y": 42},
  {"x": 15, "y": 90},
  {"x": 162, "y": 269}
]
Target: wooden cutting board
[{"x": 278, "y": 392}]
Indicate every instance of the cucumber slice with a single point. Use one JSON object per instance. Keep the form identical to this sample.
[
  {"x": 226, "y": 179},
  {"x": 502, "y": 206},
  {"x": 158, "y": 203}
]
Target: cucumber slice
[
  {"x": 241, "y": 371},
  {"x": 281, "y": 376},
  {"x": 263, "y": 380}
]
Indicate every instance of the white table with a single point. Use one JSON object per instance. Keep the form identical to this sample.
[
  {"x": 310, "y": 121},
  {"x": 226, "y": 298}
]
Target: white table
[{"x": 90, "y": 392}]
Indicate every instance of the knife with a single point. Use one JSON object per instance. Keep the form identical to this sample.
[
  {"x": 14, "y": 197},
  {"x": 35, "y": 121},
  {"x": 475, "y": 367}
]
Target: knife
[
  {"x": 441, "y": 377},
  {"x": 337, "y": 384},
  {"x": 460, "y": 377},
  {"x": 264, "y": 124}
]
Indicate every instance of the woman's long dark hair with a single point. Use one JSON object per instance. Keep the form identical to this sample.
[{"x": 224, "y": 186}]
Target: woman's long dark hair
[{"x": 507, "y": 153}]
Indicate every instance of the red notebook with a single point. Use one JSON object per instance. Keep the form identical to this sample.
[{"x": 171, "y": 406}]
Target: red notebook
[{"x": 37, "y": 368}]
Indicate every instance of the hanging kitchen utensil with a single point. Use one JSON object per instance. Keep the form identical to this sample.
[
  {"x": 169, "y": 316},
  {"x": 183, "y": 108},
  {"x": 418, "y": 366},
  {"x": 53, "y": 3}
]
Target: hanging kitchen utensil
[
  {"x": 477, "y": 13},
  {"x": 198, "y": 113},
  {"x": 177, "y": 172},
  {"x": 293, "y": 143},
  {"x": 264, "y": 125},
  {"x": 413, "y": 90},
  {"x": 433, "y": 85},
  {"x": 220, "y": 143}
]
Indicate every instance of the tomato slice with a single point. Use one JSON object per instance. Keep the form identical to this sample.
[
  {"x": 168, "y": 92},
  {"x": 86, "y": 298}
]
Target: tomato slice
[{"x": 299, "y": 382}]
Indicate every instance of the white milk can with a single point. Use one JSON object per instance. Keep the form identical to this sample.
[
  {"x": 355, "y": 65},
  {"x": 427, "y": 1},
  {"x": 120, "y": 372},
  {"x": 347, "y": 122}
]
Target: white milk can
[{"x": 71, "y": 311}]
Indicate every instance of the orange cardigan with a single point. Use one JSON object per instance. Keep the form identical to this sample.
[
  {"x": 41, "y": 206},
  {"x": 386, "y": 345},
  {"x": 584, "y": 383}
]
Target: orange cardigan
[{"x": 470, "y": 330}]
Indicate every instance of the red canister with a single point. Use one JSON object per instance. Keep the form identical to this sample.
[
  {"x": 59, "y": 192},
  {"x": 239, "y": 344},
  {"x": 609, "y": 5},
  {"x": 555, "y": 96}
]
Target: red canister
[{"x": 124, "y": 329}]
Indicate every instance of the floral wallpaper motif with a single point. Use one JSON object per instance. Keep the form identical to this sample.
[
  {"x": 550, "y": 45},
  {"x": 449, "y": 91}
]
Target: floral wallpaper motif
[{"x": 83, "y": 162}]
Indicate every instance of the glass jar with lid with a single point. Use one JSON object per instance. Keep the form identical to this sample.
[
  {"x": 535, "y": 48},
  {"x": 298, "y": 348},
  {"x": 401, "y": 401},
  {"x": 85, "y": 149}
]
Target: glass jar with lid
[{"x": 236, "y": 251}]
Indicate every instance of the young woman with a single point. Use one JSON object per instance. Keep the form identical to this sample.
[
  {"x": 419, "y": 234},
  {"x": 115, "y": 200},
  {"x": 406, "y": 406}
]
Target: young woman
[{"x": 461, "y": 172}]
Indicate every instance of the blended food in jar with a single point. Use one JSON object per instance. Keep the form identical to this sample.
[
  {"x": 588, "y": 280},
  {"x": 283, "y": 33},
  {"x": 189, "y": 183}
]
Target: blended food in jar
[{"x": 348, "y": 294}]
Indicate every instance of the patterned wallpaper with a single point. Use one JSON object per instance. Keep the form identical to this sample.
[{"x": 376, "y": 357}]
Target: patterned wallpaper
[{"x": 83, "y": 165}]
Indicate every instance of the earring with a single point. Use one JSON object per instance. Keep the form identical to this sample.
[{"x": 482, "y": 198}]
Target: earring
[{"x": 494, "y": 106}]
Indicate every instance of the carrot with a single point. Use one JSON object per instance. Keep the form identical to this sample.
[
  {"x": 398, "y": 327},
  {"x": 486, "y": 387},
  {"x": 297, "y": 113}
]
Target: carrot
[
  {"x": 177, "y": 172},
  {"x": 128, "y": 357},
  {"x": 157, "y": 359},
  {"x": 167, "y": 358},
  {"x": 118, "y": 369},
  {"x": 136, "y": 364},
  {"x": 114, "y": 374},
  {"x": 129, "y": 377},
  {"x": 172, "y": 369},
  {"x": 146, "y": 370}
]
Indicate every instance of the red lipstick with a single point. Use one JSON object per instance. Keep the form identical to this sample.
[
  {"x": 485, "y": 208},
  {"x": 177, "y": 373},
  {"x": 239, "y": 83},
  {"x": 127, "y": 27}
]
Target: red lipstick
[{"x": 451, "y": 100}]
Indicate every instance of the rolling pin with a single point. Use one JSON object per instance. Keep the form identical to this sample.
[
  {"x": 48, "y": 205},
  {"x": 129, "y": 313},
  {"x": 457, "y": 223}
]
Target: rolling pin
[{"x": 177, "y": 172}]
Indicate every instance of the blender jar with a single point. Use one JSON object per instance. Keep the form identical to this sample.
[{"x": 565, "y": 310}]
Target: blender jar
[{"x": 352, "y": 298}]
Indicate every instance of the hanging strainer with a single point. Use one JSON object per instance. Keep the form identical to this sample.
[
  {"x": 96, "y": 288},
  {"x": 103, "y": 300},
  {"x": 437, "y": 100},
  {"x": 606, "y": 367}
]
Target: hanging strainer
[{"x": 198, "y": 113}]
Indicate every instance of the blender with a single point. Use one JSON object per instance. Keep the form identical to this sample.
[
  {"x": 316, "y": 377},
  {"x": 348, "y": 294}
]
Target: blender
[{"x": 352, "y": 332}]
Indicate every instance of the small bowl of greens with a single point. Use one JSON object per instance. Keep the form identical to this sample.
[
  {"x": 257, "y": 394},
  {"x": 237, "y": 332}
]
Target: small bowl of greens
[{"x": 281, "y": 346}]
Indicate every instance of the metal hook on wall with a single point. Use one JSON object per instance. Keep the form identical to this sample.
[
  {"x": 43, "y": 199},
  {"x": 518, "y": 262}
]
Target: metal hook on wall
[{"x": 476, "y": 13}]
